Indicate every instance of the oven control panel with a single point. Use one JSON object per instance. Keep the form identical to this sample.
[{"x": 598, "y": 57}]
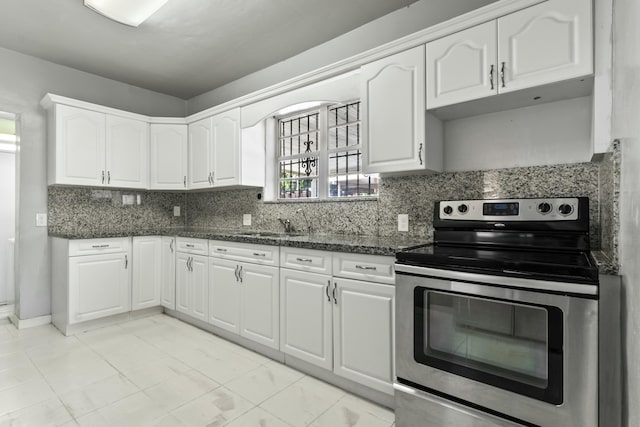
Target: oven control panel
[{"x": 551, "y": 209}]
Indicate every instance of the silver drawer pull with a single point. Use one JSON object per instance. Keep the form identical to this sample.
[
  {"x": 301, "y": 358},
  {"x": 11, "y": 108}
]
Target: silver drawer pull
[
  {"x": 259, "y": 254},
  {"x": 365, "y": 267},
  {"x": 304, "y": 259},
  {"x": 221, "y": 250},
  {"x": 99, "y": 246},
  {"x": 190, "y": 246}
]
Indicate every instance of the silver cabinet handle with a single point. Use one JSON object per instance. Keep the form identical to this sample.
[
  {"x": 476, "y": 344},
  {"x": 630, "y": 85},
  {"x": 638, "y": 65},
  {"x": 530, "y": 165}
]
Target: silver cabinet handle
[
  {"x": 99, "y": 246},
  {"x": 103, "y": 177},
  {"x": 326, "y": 290},
  {"x": 190, "y": 263},
  {"x": 304, "y": 259},
  {"x": 366, "y": 267},
  {"x": 126, "y": 262},
  {"x": 502, "y": 73},
  {"x": 335, "y": 288},
  {"x": 221, "y": 250},
  {"x": 171, "y": 245},
  {"x": 213, "y": 177},
  {"x": 259, "y": 254},
  {"x": 240, "y": 274},
  {"x": 420, "y": 154},
  {"x": 491, "y": 76},
  {"x": 185, "y": 181},
  {"x": 108, "y": 177},
  {"x": 190, "y": 245},
  {"x": 236, "y": 273}
]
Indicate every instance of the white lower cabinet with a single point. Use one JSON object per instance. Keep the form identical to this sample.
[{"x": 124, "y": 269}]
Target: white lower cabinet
[
  {"x": 243, "y": 296},
  {"x": 363, "y": 333},
  {"x": 147, "y": 272},
  {"x": 168, "y": 273},
  {"x": 192, "y": 290}
]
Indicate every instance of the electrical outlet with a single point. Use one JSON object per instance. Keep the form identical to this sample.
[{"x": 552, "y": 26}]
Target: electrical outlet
[
  {"x": 41, "y": 220},
  {"x": 176, "y": 211},
  {"x": 246, "y": 219},
  {"x": 128, "y": 199},
  {"x": 403, "y": 222}
]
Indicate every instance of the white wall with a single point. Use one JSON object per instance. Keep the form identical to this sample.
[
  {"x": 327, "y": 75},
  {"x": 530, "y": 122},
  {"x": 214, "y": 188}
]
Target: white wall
[
  {"x": 546, "y": 134},
  {"x": 405, "y": 21},
  {"x": 24, "y": 80},
  {"x": 7, "y": 222},
  {"x": 626, "y": 126}
]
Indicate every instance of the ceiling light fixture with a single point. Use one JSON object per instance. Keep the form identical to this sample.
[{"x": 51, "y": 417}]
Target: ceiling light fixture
[{"x": 128, "y": 12}]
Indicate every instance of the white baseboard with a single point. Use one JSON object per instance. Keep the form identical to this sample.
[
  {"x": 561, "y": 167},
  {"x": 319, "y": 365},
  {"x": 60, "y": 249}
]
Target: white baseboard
[{"x": 29, "y": 323}]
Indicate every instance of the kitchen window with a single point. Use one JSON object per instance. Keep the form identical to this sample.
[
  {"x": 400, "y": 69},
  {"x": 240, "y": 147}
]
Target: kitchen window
[{"x": 320, "y": 155}]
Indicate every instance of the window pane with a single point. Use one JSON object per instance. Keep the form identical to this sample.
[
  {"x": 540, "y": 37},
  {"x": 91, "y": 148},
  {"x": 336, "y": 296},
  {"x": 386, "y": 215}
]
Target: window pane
[
  {"x": 344, "y": 114},
  {"x": 306, "y": 143},
  {"x": 297, "y": 168},
  {"x": 299, "y": 188},
  {"x": 344, "y": 136}
]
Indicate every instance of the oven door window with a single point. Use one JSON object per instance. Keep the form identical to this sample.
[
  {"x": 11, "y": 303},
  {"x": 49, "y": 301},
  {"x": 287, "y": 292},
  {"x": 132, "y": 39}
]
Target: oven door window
[{"x": 509, "y": 345}]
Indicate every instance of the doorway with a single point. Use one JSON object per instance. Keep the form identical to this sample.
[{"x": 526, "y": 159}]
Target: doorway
[{"x": 8, "y": 163}]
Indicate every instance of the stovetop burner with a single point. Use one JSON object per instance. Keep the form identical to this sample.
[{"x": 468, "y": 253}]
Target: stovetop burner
[{"x": 542, "y": 239}]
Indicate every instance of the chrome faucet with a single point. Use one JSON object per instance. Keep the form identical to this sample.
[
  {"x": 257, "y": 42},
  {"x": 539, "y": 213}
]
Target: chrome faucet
[
  {"x": 286, "y": 223},
  {"x": 305, "y": 220}
]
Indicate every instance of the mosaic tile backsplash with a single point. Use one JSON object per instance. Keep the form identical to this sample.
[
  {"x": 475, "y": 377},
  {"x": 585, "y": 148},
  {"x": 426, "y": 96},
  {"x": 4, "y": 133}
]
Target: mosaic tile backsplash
[{"x": 83, "y": 208}]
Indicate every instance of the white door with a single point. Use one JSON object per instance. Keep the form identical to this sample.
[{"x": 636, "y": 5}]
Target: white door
[
  {"x": 363, "y": 333},
  {"x": 393, "y": 112},
  {"x": 224, "y": 294},
  {"x": 546, "y": 43},
  {"x": 168, "y": 162},
  {"x": 306, "y": 308},
  {"x": 127, "y": 151},
  {"x": 200, "y": 154},
  {"x": 99, "y": 286},
  {"x": 183, "y": 277},
  {"x": 147, "y": 272},
  {"x": 80, "y": 146},
  {"x": 226, "y": 148},
  {"x": 260, "y": 319},
  {"x": 199, "y": 287},
  {"x": 168, "y": 273},
  {"x": 462, "y": 66}
]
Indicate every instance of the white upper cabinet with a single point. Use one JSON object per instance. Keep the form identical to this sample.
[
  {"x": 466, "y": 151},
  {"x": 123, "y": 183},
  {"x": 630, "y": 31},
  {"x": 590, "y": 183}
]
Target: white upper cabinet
[
  {"x": 96, "y": 149},
  {"x": 127, "y": 152},
  {"x": 200, "y": 154},
  {"x": 168, "y": 157},
  {"x": 545, "y": 43},
  {"x": 542, "y": 44},
  {"x": 76, "y": 146},
  {"x": 462, "y": 67},
  {"x": 393, "y": 115},
  {"x": 226, "y": 148}
]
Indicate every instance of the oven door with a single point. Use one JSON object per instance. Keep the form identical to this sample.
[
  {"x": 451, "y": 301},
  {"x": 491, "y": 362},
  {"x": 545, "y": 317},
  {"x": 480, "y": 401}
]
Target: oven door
[{"x": 529, "y": 355}]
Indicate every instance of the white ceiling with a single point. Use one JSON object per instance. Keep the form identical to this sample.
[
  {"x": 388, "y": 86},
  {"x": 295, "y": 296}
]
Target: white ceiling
[{"x": 189, "y": 46}]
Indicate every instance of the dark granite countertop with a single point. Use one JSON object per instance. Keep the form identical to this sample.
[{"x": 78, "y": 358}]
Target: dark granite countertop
[{"x": 372, "y": 245}]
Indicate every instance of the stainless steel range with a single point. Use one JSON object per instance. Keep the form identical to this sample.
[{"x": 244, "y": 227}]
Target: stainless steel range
[{"x": 497, "y": 321}]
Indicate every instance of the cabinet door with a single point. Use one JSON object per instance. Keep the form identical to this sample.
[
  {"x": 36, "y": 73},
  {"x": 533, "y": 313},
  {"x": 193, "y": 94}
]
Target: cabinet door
[
  {"x": 393, "y": 112},
  {"x": 183, "y": 276},
  {"x": 199, "y": 287},
  {"x": 147, "y": 278},
  {"x": 546, "y": 43},
  {"x": 363, "y": 332},
  {"x": 306, "y": 310},
  {"x": 226, "y": 148},
  {"x": 127, "y": 149},
  {"x": 462, "y": 66},
  {"x": 168, "y": 157},
  {"x": 168, "y": 273},
  {"x": 224, "y": 294},
  {"x": 200, "y": 154},
  {"x": 79, "y": 146},
  {"x": 99, "y": 286},
  {"x": 259, "y": 313}
]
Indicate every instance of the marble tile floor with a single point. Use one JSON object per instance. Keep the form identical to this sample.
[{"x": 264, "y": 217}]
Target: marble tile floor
[{"x": 159, "y": 371}]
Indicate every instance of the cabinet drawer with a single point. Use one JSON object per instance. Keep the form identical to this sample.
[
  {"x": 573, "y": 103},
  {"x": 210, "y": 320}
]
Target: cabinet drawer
[
  {"x": 372, "y": 268},
  {"x": 192, "y": 246},
  {"x": 257, "y": 254},
  {"x": 305, "y": 259},
  {"x": 99, "y": 246}
]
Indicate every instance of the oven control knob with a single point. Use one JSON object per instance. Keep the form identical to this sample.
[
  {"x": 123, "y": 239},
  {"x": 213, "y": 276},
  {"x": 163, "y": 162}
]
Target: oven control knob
[
  {"x": 544, "y": 208},
  {"x": 565, "y": 209},
  {"x": 463, "y": 208},
  {"x": 448, "y": 210}
]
